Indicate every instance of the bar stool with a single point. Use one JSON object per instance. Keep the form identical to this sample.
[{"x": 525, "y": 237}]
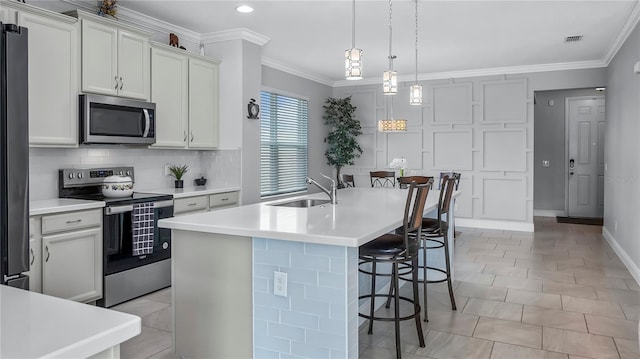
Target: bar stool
[
  {"x": 455, "y": 175},
  {"x": 348, "y": 181},
  {"x": 398, "y": 249},
  {"x": 435, "y": 234},
  {"x": 383, "y": 178}
]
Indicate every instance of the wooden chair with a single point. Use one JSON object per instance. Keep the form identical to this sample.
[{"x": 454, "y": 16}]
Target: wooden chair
[
  {"x": 348, "y": 181},
  {"x": 406, "y": 180},
  {"x": 454, "y": 175},
  {"x": 383, "y": 178},
  {"x": 401, "y": 252}
]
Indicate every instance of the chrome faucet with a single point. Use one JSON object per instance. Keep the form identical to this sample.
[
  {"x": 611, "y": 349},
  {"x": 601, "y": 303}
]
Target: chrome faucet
[{"x": 332, "y": 193}]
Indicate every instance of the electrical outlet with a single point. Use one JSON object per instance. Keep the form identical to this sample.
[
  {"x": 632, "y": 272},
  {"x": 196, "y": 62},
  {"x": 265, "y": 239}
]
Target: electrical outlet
[
  {"x": 280, "y": 284},
  {"x": 166, "y": 170}
]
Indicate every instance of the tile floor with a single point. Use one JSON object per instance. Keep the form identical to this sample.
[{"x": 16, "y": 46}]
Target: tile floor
[{"x": 560, "y": 292}]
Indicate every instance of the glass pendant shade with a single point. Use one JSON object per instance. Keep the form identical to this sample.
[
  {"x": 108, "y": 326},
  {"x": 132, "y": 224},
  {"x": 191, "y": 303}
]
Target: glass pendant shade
[
  {"x": 353, "y": 64},
  {"x": 390, "y": 82},
  {"x": 415, "y": 94},
  {"x": 392, "y": 125}
]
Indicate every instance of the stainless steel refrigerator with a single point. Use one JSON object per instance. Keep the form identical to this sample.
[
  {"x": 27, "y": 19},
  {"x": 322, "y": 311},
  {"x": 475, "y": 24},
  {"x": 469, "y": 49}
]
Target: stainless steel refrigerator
[{"x": 14, "y": 156}]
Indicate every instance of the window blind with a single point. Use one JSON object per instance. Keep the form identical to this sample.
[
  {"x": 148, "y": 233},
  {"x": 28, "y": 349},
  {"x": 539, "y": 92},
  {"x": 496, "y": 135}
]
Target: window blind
[{"x": 283, "y": 144}]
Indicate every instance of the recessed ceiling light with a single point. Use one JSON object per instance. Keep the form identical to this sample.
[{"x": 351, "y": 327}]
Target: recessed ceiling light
[{"x": 244, "y": 9}]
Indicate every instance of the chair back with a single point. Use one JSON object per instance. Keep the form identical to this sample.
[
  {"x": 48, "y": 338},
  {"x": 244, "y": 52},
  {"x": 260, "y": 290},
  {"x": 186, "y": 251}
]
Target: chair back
[
  {"x": 383, "y": 178},
  {"x": 413, "y": 211},
  {"x": 444, "y": 201},
  {"x": 348, "y": 181},
  {"x": 455, "y": 175},
  {"x": 406, "y": 180}
]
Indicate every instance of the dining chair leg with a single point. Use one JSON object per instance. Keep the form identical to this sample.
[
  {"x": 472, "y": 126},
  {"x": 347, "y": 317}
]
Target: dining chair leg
[
  {"x": 373, "y": 295},
  {"x": 416, "y": 300},
  {"x": 388, "y": 303},
  {"x": 396, "y": 308},
  {"x": 448, "y": 267},
  {"x": 424, "y": 277}
]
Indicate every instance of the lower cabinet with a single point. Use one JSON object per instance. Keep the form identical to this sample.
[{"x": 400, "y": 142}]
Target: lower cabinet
[
  {"x": 66, "y": 255},
  {"x": 204, "y": 203}
]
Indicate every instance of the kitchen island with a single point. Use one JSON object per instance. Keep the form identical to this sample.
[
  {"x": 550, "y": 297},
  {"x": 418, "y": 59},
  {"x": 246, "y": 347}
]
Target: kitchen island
[{"x": 224, "y": 263}]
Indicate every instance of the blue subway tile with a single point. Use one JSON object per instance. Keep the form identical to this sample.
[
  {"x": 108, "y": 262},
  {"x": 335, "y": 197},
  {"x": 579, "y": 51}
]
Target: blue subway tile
[
  {"x": 328, "y": 325},
  {"x": 273, "y": 258},
  {"x": 302, "y": 276},
  {"x": 324, "y": 250},
  {"x": 327, "y": 340},
  {"x": 295, "y": 290},
  {"x": 337, "y": 265},
  {"x": 263, "y": 341},
  {"x": 307, "y": 321},
  {"x": 260, "y": 285},
  {"x": 324, "y": 294},
  {"x": 285, "y": 246},
  {"x": 339, "y": 354},
  {"x": 266, "y": 313},
  {"x": 264, "y": 270},
  {"x": 259, "y": 243},
  {"x": 285, "y": 356},
  {"x": 316, "y": 263},
  {"x": 310, "y": 351},
  {"x": 265, "y": 354},
  {"x": 307, "y": 306},
  {"x": 271, "y": 300},
  {"x": 338, "y": 311},
  {"x": 286, "y": 332},
  {"x": 332, "y": 280}
]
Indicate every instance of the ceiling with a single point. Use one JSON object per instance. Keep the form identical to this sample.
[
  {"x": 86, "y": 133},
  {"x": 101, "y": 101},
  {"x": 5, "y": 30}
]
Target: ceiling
[{"x": 454, "y": 36}]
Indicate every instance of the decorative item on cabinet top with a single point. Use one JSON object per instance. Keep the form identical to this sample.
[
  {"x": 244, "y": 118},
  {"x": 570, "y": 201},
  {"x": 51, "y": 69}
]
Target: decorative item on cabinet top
[
  {"x": 254, "y": 110},
  {"x": 174, "y": 41},
  {"x": 108, "y": 7}
]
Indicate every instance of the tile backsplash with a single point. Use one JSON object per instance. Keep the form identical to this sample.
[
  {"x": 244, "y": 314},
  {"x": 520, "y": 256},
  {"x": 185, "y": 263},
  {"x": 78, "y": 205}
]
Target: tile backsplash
[{"x": 221, "y": 168}]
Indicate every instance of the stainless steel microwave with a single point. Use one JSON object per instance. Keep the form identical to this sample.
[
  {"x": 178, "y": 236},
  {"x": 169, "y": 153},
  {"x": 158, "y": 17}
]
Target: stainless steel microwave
[{"x": 116, "y": 120}]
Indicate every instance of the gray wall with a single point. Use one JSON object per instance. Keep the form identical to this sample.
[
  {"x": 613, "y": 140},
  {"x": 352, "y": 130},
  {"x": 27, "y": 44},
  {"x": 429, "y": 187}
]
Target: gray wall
[
  {"x": 549, "y": 144},
  {"x": 316, "y": 93},
  {"x": 622, "y": 168}
]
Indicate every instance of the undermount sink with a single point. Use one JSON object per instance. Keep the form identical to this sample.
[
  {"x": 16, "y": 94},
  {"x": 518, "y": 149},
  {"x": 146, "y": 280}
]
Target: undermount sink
[{"x": 302, "y": 203}]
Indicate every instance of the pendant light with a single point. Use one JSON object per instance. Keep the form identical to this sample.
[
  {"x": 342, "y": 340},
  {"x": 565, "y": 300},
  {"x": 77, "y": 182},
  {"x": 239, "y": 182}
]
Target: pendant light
[
  {"x": 415, "y": 92},
  {"x": 391, "y": 124},
  {"x": 353, "y": 56},
  {"x": 390, "y": 77}
]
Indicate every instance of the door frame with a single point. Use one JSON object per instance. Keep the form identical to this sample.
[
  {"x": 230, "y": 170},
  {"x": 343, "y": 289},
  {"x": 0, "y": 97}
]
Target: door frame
[{"x": 566, "y": 143}]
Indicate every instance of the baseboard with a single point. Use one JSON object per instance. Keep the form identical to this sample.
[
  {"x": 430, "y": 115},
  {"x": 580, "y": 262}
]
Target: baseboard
[
  {"x": 548, "y": 213},
  {"x": 500, "y": 225},
  {"x": 624, "y": 257}
]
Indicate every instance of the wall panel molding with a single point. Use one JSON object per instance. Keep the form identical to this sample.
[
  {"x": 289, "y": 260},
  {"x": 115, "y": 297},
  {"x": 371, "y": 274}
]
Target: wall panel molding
[
  {"x": 504, "y": 149},
  {"x": 504, "y": 101},
  {"x": 452, "y": 103},
  {"x": 504, "y": 198}
]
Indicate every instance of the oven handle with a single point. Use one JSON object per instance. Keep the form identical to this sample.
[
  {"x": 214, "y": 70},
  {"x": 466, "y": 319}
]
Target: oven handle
[
  {"x": 147, "y": 123},
  {"x": 122, "y": 209}
]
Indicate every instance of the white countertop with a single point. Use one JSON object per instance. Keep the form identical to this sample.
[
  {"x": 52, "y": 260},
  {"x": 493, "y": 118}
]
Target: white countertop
[
  {"x": 33, "y": 325},
  {"x": 57, "y": 205},
  {"x": 361, "y": 215},
  {"x": 190, "y": 191}
]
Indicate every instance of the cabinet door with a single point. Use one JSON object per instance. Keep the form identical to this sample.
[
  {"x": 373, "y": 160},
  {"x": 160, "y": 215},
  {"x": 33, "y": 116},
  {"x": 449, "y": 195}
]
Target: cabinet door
[
  {"x": 72, "y": 265},
  {"x": 99, "y": 59},
  {"x": 53, "y": 81},
  {"x": 203, "y": 104},
  {"x": 169, "y": 91},
  {"x": 133, "y": 65}
]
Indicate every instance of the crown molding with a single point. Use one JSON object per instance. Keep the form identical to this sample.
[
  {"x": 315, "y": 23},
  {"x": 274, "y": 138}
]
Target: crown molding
[
  {"x": 235, "y": 34},
  {"x": 275, "y": 64},
  {"x": 627, "y": 29},
  {"x": 140, "y": 20},
  {"x": 481, "y": 72}
]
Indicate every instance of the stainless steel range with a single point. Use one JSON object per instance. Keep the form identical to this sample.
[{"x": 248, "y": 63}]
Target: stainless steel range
[{"x": 126, "y": 275}]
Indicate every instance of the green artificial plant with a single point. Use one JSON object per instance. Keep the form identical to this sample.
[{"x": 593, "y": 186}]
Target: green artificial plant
[
  {"x": 178, "y": 171},
  {"x": 342, "y": 140}
]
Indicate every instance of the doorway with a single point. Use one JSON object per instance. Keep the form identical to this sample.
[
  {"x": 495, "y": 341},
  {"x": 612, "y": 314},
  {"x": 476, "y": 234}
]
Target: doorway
[{"x": 551, "y": 161}]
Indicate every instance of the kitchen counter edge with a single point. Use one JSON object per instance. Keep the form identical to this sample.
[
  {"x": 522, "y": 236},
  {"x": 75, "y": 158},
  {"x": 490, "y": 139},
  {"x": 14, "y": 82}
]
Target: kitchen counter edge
[{"x": 59, "y": 205}]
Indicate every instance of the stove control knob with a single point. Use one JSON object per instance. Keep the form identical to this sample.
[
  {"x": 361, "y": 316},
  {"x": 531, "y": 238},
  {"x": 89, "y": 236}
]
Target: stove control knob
[
  {"x": 72, "y": 175},
  {"x": 80, "y": 175},
  {"x": 128, "y": 173},
  {"x": 165, "y": 245}
]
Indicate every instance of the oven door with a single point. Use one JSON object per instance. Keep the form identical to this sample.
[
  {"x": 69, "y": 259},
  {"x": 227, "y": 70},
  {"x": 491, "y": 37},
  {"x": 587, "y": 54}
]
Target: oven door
[
  {"x": 116, "y": 120},
  {"x": 118, "y": 238}
]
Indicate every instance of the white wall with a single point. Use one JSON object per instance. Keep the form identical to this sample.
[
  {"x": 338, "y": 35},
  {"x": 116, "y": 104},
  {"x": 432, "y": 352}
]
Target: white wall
[
  {"x": 622, "y": 174},
  {"x": 481, "y": 127}
]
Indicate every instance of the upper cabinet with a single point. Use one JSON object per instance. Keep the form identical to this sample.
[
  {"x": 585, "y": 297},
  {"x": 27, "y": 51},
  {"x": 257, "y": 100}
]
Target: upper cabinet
[
  {"x": 115, "y": 59},
  {"x": 184, "y": 88},
  {"x": 53, "y": 74}
]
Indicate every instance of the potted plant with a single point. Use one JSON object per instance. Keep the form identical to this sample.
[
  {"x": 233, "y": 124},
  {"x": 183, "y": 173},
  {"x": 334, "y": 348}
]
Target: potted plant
[
  {"x": 342, "y": 140},
  {"x": 178, "y": 172}
]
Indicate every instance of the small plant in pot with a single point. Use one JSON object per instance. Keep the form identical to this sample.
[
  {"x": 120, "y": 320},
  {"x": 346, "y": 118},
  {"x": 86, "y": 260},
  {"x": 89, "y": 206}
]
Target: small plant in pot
[{"x": 178, "y": 172}]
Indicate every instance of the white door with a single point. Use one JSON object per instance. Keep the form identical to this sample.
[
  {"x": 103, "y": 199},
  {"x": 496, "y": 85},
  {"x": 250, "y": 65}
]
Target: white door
[
  {"x": 585, "y": 164},
  {"x": 53, "y": 44},
  {"x": 133, "y": 65},
  {"x": 169, "y": 91},
  {"x": 72, "y": 265},
  {"x": 203, "y": 104},
  {"x": 99, "y": 59}
]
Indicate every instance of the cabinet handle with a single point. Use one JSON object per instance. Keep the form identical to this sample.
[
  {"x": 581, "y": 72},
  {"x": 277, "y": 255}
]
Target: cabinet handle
[
  {"x": 33, "y": 256},
  {"x": 224, "y": 199},
  {"x": 46, "y": 249},
  {"x": 191, "y": 204},
  {"x": 116, "y": 78},
  {"x": 121, "y": 83},
  {"x": 185, "y": 136},
  {"x": 191, "y": 136},
  {"x": 74, "y": 222}
]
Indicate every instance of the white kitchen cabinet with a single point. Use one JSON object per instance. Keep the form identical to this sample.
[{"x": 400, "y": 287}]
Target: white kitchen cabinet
[
  {"x": 185, "y": 91},
  {"x": 53, "y": 74},
  {"x": 170, "y": 93},
  {"x": 203, "y": 104},
  {"x": 115, "y": 59},
  {"x": 204, "y": 203},
  {"x": 66, "y": 255}
]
